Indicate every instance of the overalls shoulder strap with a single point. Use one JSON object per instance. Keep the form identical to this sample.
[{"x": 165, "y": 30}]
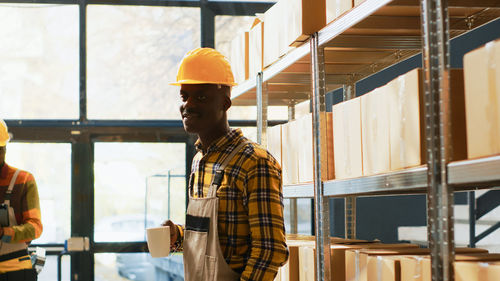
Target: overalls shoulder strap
[
  {"x": 8, "y": 193},
  {"x": 219, "y": 174}
]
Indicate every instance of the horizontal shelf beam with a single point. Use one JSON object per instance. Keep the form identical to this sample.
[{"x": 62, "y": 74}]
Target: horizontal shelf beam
[
  {"x": 483, "y": 172},
  {"x": 452, "y": 3},
  {"x": 376, "y": 42},
  {"x": 409, "y": 181},
  {"x": 412, "y": 180}
]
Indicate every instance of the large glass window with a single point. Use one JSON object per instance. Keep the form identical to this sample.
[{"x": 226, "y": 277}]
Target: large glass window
[
  {"x": 132, "y": 189},
  {"x": 137, "y": 185},
  {"x": 39, "y": 61},
  {"x": 133, "y": 54},
  {"x": 50, "y": 164}
]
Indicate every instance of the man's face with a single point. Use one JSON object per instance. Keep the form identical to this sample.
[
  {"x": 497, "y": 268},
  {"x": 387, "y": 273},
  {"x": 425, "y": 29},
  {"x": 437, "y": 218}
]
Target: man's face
[
  {"x": 3, "y": 149},
  {"x": 203, "y": 107}
]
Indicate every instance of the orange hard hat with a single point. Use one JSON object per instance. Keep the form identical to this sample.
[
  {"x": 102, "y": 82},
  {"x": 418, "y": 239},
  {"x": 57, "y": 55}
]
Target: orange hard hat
[
  {"x": 4, "y": 133},
  {"x": 204, "y": 66}
]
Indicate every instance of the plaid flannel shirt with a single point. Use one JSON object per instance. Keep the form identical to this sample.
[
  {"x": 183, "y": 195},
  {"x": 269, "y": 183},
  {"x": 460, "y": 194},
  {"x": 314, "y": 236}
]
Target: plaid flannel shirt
[{"x": 251, "y": 226}]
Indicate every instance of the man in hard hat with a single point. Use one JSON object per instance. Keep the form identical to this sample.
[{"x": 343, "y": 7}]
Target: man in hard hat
[
  {"x": 234, "y": 223},
  {"x": 20, "y": 217}
]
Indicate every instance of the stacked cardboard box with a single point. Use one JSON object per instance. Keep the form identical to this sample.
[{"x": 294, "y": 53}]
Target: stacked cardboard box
[
  {"x": 386, "y": 264},
  {"x": 274, "y": 142},
  {"x": 347, "y": 139},
  {"x": 297, "y": 149},
  {"x": 239, "y": 57},
  {"x": 392, "y": 134},
  {"x": 275, "y": 31},
  {"x": 482, "y": 96},
  {"x": 304, "y": 18},
  {"x": 406, "y": 115},
  {"x": 290, "y": 153},
  {"x": 256, "y": 48},
  {"x": 339, "y": 259},
  {"x": 335, "y": 8},
  {"x": 468, "y": 267},
  {"x": 304, "y": 132}
]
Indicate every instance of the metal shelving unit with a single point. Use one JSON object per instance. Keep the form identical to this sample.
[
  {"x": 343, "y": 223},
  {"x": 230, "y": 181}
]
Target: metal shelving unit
[{"x": 370, "y": 37}]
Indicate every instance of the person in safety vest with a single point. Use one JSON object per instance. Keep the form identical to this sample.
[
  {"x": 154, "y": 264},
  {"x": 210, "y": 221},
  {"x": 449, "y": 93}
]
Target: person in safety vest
[
  {"x": 234, "y": 222},
  {"x": 20, "y": 217}
]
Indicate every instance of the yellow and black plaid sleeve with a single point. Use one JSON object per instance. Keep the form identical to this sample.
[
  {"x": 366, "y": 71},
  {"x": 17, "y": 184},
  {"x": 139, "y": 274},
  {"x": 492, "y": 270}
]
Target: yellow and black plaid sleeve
[{"x": 265, "y": 214}]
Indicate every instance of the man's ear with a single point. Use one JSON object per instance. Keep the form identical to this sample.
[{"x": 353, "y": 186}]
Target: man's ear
[{"x": 227, "y": 103}]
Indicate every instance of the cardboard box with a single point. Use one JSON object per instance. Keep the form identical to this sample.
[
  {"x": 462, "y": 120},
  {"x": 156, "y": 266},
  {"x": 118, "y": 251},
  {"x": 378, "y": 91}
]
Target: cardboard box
[
  {"x": 335, "y": 8},
  {"x": 347, "y": 148},
  {"x": 352, "y": 257},
  {"x": 477, "y": 271},
  {"x": 386, "y": 265},
  {"x": 418, "y": 268},
  {"x": 275, "y": 32},
  {"x": 304, "y": 133},
  {"x": 290, "y": 153},
  {"x": 482, "y": 98},
  {"x": 307, "y": 258},
  {"x": 274, "y": 142},
  {"x": 303, "y": 17},
  {"x": 407, "y": 119},
  {"x": 375, "y": 132},
  {"x": 256, "y": 48},
  {"x": 239, "y": 57}
]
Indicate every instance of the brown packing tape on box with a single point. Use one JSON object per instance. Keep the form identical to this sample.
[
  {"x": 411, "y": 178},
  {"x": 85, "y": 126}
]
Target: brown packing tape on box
[
  {"x": 482, "y": 95},
  {"x": 384, "y": 265},
  {"x": 346, "y": 130}
]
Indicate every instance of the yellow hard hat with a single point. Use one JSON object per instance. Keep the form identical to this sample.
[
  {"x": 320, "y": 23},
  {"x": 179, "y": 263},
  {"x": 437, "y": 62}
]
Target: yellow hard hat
[
  {"x": 4, "y": 133},
  {"x": 204, "y": 66}
]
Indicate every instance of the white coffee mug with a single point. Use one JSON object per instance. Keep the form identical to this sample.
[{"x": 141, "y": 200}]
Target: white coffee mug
[{"x": 158, "y": 241}]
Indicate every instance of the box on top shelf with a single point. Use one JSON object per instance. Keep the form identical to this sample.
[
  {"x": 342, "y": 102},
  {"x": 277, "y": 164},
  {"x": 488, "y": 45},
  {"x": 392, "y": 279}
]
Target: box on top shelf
[
  {"x": 239, "y": 57},
  {"x": 256, "y": 48},
  {"x": 275, "y": 31},
  {"x": 482, "y": 100},
  {"x": 348, "y": 160},
  {"x": 274, "y": 142},
  {"x": 304, "y": 133},
  {"x": 304, "y": 18},
  {"x": 375, "y": 132},
  {"x": 335, "y": 8}
]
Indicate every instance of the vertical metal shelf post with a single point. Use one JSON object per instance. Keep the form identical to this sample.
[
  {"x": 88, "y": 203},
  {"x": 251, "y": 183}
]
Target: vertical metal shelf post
[
  {"x": 321, "y": 208},
  {"x": 350, "y": 201},
  {"x": 436, "y": 51},
  {"x": 293, "y": 201},
  {"x": 262, "y": 102}
]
